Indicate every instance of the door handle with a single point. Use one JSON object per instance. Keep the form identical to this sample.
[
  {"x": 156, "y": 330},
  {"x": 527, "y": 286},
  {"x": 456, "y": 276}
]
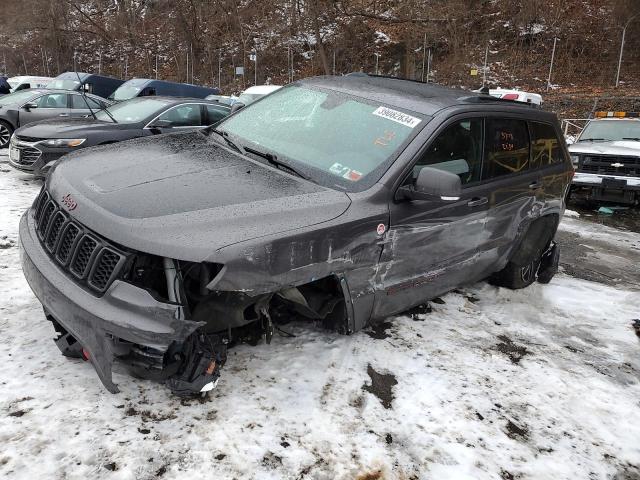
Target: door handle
[
  {"x": 535, "y": 185},
  {"x": 477, "y": 201},
  {"x": 63, "y": 115}
]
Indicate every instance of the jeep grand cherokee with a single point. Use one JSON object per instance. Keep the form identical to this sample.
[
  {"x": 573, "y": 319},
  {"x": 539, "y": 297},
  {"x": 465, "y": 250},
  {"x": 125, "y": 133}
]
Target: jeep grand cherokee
[{"x": 341, "y": 200}]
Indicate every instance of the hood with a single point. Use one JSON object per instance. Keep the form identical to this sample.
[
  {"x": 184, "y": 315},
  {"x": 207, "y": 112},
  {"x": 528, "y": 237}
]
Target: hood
[
  {"x": 66, "y": 128},
  {"x": 184, "y": 196},
  {"x": 626, "y": 148}
]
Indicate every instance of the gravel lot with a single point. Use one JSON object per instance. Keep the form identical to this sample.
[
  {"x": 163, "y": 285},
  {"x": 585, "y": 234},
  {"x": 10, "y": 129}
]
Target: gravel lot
[{"x": 484, "y": 383}]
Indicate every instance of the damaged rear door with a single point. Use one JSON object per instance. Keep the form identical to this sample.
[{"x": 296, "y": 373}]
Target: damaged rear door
[{"x": 433, "y": 245}]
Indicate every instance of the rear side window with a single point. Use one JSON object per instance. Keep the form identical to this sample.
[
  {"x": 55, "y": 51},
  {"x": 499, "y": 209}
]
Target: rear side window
[
  {"x": 458, "y": 149},
  {"x": 506, "y": 147},
  {"x": 77, "y": 102},
  {"x": 545, "y": 145},
  {"x": 216, "y": 113},
  {"x": 182, "y": 116}
]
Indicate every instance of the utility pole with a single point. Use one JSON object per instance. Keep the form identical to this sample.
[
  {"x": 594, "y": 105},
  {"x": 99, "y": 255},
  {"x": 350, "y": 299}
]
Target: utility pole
[
  {"x": 219, "y": 65},
  {"x": 429, "y": 62},
  {"x": 377, "y": 56},
  {"x": 100, "y": 62},
  {"x": 553, "y": 56},
  {"x": 624, "y": 33},
  {"x": 334, "y": 61},
  {"x": 484, "y": 70},
  {"x": 424, "y": 54}
]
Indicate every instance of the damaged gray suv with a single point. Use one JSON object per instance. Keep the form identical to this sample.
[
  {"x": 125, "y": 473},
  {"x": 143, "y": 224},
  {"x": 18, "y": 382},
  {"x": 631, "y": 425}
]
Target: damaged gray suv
[{"x": 339, "y": 200}]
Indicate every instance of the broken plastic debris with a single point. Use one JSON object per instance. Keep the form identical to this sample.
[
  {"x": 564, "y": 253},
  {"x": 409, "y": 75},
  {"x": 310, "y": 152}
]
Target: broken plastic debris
[{"x": 605, "y": 211}]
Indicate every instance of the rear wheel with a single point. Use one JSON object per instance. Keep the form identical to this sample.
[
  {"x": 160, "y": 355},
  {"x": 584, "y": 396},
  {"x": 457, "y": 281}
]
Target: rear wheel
[
  {"x": 6, "y": 130},
  {"x": 523, "y": 268}
]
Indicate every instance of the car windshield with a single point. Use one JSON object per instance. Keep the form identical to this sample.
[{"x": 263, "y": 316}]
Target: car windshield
[
  {"x": 608, "y": 130},
  {"x": 126, "y": 92},
  {"x": 17, "y": 97},
  {"x": 335, "y": 139},
  {"x": 132, "y": 111},
  {"x": 63, "y": 84}
]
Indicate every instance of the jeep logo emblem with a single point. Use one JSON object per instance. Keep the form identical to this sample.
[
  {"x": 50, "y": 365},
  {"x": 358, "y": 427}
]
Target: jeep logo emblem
[{"x": 69, "y": 202}]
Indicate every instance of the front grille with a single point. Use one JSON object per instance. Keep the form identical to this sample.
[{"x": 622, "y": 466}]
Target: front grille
[
  {"x": 22, "y": 138},
  {"x": 28, "y": 155},
  {"x": 91, "y": 261},
  {"x": 603, "y": 165}
]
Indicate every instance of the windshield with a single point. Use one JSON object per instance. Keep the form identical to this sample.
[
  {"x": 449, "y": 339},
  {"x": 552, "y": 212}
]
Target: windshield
[
  {"x": 17, "y": 97},
  {"x": 126, "y": 92},
  {"x": 133, "y": 111},
  {"x": 62, "y": 84},
  {"x": 335, "y": 139},
  {"x": 611, "y": 130}
]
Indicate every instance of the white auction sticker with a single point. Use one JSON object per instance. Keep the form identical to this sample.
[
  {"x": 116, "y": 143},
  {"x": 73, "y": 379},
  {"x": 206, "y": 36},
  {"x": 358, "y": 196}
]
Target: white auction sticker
[{"x": 396, "y": 116}]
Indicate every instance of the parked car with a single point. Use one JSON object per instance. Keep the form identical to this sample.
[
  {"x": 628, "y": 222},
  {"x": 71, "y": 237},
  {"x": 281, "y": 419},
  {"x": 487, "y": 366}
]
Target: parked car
[
  {"x": 223, "y": 99},
  {"x": 606, "y": 156},
  {"x": 25, "y": 82},
  {"x": 35, "y": 147},
  {"x": 145, "y": 87},
  {"x": 339, "y": 200},
  {"x": 252, "y": 94},
  {"x": 88, "y": 82},
  {"x": 26, "y": 106}
]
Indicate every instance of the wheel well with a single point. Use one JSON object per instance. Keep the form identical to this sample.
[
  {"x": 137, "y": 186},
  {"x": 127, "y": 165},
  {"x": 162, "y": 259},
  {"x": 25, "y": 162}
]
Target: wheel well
[{"x": 536, "y": 238}]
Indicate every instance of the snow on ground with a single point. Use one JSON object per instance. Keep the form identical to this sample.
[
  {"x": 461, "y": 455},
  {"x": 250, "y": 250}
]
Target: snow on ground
[{"x": 490, "y": 384}]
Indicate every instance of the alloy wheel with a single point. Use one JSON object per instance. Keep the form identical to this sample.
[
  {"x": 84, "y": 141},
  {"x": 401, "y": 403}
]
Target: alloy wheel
[{"x": 5, "y": 135}]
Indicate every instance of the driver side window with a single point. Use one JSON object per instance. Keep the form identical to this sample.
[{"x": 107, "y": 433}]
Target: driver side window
[
  {"x": 458, "y": 149},
  {"x": 54, "y": 100}
]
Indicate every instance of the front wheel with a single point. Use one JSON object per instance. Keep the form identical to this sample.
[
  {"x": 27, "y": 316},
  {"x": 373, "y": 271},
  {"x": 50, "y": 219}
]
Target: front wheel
[{"x": 6, "y": 130}]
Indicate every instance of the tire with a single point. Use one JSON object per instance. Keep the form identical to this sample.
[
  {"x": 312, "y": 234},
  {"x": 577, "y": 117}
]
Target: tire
[
  {"x": 6, "y": 130},
  {"x": 515, "y": 276},
  {"x": 522, "y": 269}
]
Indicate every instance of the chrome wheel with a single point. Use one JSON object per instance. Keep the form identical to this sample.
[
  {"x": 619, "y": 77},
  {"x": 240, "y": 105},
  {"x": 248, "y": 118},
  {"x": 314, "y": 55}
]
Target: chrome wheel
[{"x": 5, "y": 135}]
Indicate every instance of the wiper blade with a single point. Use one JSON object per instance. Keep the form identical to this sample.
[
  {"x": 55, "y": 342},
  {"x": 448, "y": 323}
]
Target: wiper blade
[
  {"x": 231, "y": 143},
  {"x": 106, "y": 110},
  {"x": 273, "y": 160},
  {"x": 635, "y": 139},
  {"x": 594, "y": 140}
]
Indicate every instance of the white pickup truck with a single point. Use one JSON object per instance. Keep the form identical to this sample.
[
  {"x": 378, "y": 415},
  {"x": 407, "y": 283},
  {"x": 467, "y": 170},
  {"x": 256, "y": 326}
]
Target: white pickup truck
[{"x": 606, "y": 157}]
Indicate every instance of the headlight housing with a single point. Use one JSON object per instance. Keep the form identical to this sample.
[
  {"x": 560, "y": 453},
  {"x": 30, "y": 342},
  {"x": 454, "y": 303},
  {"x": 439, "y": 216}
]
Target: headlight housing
[
  {"x": 575, "y": 159},
  {"x": 64, "y": 142}
]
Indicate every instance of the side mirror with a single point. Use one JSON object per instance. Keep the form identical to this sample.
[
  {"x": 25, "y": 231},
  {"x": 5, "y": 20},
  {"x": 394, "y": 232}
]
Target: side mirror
[
  {"x": 433, "y": 184},
  {"x": 237, "y": 106},
  {"x": 29, "y": 106}
]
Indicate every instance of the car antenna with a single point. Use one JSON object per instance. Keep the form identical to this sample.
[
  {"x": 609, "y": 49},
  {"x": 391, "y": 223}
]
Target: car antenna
[{"x": 82, "y": 92}]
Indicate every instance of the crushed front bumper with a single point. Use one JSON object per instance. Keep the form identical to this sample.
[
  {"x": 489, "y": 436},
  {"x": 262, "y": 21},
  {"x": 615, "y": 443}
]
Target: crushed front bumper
[
  {"x": 124, "y": 316},
  {"x": 614, "y": 188}
]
